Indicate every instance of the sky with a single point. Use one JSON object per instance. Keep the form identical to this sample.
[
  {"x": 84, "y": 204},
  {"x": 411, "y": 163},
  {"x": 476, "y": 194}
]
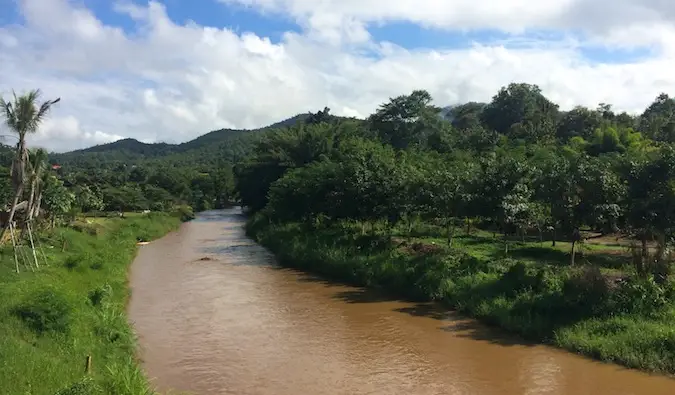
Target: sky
[{"x": 171, "y": 70}]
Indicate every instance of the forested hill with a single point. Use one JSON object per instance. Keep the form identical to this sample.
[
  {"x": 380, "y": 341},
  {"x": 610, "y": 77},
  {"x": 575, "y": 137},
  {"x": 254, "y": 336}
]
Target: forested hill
[
  {"x": 131, "y": 175},
  {"x": 224, "y": 144}
]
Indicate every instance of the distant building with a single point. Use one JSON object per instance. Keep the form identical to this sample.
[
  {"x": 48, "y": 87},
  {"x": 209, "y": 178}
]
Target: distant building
[{"x": 56, "y": 167}]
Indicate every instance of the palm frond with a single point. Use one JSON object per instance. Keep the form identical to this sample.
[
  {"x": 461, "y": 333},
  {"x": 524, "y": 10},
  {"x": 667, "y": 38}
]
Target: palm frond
[{"x": 22, "y": 115}]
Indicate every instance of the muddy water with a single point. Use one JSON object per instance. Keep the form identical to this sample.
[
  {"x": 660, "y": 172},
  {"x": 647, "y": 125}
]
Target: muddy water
[{"x": 214, "y": 315}]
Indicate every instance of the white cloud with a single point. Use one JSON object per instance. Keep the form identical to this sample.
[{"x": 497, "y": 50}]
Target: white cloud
[
  {"x": 65, "y": 133},
  {"x": 169, "y": 82}
]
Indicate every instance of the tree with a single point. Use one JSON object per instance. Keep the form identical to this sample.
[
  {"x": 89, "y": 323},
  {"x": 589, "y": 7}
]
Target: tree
[
  {"x": 58, "y": 199},
  {"x": 466, "y": 116},
  {"x": 87, "y": 199},
  {"x": 279, "y": 152},
  {"x": 658, "y": 120},
  {"x": 407, "y": 120},
  {"x": 580, "y": 121},
  {"x": 650, "y": 204},
  {"x": 319, "y": 117},
  {"x": 22, "y": 116},
  {"x": 521, "y": 111}
]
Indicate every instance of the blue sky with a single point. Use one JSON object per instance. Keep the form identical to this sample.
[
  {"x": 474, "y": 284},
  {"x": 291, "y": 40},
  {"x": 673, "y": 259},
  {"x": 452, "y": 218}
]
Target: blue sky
[
  {"x": 273, "y": 25},
  {"x": 249, "y": 63}
]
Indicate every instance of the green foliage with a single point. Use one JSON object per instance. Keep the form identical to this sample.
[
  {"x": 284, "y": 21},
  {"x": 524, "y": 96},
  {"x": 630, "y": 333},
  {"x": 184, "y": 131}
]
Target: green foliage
[
  {"x": 185, "y": 213},
  {"x": 38, "y": 355},
  {"x": 85, "y": 386},
  {"x": 640, "y": 296},
  {"x": 520, "y": 111},
  {"x": 406, "y": 121},
  {"x": 381, "y": 208},
  {"x": 46, "y": 311}
]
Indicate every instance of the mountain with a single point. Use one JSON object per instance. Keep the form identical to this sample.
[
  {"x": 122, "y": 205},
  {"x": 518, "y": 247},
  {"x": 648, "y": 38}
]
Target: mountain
[{"x": 229, "y": 145}]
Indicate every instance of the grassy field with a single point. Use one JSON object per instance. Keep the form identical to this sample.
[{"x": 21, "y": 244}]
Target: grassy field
[
  {"x": 51, "y": 319},
  {"x": 596, "y": 307}
]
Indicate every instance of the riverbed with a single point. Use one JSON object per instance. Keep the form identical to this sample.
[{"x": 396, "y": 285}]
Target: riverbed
[{"x": 215, "y": 314}]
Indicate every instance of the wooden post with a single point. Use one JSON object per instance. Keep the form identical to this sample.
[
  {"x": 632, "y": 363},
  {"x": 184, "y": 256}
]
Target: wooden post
[
  {"x": 16, "y": 259},
  {"x": 32, "y": 245},
  {"x": 87, "y": 368}
]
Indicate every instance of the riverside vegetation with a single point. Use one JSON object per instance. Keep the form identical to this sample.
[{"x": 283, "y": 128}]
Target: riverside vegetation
[
  {"x": 554, "y": 225},
  {"x": 55, "y": 317},
  {"x": 63, "y": 274}
]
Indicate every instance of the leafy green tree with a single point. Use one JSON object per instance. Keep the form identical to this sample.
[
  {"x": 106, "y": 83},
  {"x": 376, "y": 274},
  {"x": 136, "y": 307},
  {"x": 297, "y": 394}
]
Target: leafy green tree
[
  {"x": 658, "y": 120},
  {"x": 406, "y": 121},
  {"x": 58, "y": 199},
  {"x": 521, "y": 111},
  {"x": 88, "y": 199},
  {"x": 581, "y": 122},
  {"x": 277, "y": 153},
  {"x": 467, "y": 116},
  {"x": 650, "y": 203}
]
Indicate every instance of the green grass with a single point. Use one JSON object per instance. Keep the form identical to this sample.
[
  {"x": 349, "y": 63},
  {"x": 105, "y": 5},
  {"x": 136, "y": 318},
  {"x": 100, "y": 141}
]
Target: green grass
[
  {"x": 53, "y": 318},
  {"x": 534, "y": 291}
]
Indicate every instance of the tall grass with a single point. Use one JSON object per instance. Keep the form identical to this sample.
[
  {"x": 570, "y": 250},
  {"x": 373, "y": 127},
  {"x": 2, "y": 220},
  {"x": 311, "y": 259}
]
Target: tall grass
[
  {"x": 52, "y": 319},
  {"x": 537, "y": 295}
]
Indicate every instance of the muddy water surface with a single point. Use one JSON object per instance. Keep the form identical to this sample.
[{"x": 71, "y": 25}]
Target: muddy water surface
[{"x": 215, "y": 315}]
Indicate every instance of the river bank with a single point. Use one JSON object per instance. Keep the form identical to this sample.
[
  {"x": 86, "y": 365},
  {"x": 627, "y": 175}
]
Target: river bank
[
  {"x": 52, "y": 319},
  {"x": 576, "y": 308}
]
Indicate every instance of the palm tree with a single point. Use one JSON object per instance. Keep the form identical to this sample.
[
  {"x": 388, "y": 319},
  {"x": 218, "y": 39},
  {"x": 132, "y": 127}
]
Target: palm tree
[{"x": 22, "y": 116}]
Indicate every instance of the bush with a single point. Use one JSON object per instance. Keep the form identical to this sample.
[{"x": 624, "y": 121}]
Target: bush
[
  {"x": 185, "y": 213},
  {"x": 72, "y": 262},
  {"x": 640, "y": 296},
  {"x": 587, "y": 289},
  {"x": 97, "y": 294},
  {"x": 86, "y": 386},
  {"x": 46, "y": 311}
]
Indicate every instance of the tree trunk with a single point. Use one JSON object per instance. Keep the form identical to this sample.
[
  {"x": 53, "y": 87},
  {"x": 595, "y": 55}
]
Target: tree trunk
[
  {"x": 17, "y": 196},
  {"x": 31, "y": 202},
  {"x": 38, "y": 204},
  {"x": 468, "y": 226},
  {"x": 553, "y": 238}
]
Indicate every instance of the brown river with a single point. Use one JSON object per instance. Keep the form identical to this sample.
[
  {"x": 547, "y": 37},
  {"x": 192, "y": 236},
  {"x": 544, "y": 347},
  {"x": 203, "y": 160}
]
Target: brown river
[{"x": 215, "y": 315}]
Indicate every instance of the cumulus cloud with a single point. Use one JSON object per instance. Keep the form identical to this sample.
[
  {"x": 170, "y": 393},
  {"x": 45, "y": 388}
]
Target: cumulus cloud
[{"x": 170, "y": 82}]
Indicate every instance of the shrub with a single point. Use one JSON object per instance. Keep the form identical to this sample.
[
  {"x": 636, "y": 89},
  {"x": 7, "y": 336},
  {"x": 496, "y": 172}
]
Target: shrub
[
  {"x": 587, "y": 289},
  {"x": 72, "y": 262},
  {"x": 97, "y": 294},
  {"x": 46, "y": 311},
  {"x": 184, "y": 212},
  {"x": 90, "y": 229},
  {"x": 86, "y": 386},
  {"x": 640, "y": 296}
]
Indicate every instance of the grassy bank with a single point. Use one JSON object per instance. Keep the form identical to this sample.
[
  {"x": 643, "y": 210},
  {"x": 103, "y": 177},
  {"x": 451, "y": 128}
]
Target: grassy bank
[
  {"x": 53, "y": 318},
  {"x": 596, "y": 307}
]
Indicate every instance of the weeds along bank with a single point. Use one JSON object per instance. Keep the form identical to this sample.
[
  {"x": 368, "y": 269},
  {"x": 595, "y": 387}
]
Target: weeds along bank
[
  {"x": 592, "y": 308},
  {"x": 53, "y": 318}
]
